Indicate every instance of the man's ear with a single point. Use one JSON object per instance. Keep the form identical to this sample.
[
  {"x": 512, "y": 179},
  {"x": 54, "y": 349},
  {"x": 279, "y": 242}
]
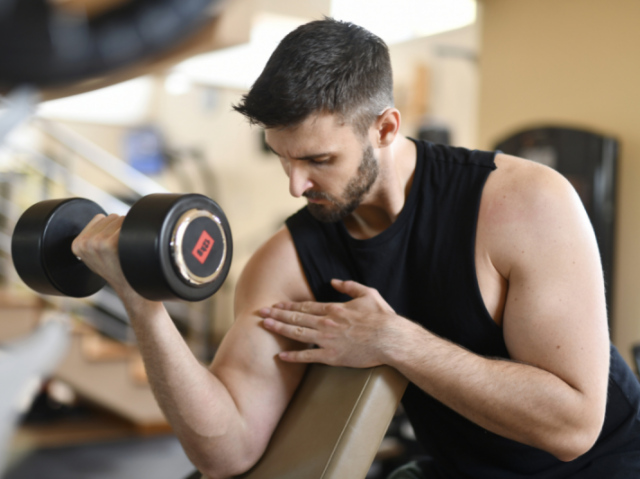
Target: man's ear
[{"x": 387, "y": 127}]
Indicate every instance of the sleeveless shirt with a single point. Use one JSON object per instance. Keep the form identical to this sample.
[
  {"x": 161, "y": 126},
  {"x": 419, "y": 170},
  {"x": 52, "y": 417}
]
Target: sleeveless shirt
[{"x": 423, "y": 265}]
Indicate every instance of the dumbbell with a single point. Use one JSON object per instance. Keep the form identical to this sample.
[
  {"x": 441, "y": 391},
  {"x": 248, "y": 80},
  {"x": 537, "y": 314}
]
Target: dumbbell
[{"x": 170, "y": 247}]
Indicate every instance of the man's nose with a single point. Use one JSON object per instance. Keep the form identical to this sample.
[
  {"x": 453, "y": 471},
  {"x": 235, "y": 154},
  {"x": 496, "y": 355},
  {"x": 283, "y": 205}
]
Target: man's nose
[{"x": 299, "y": 181}]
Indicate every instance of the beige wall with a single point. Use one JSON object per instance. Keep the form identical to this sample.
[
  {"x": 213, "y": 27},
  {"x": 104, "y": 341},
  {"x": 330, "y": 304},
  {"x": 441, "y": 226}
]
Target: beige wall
[
  {"x": 572, "y": 63},
  {"x": 436, "y": 78}
]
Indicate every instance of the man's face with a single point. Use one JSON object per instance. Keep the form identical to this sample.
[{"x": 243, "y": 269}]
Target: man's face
[
  {"x": 327, "y": 163},
  {"x": 354, "y": 192}
]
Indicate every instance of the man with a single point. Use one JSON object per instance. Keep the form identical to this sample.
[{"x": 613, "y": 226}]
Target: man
[{"x": 476, "y": 275}]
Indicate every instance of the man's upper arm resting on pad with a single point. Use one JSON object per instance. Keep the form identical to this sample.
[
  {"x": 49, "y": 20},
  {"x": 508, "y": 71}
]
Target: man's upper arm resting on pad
[{"x": 261, "y": 385}]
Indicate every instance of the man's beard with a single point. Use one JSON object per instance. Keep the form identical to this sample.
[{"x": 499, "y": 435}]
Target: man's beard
[{"x": 353, "y": 195}]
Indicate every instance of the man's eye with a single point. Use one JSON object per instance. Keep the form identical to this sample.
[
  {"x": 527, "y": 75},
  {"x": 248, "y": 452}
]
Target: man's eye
[{"x": 319, "y": 161}]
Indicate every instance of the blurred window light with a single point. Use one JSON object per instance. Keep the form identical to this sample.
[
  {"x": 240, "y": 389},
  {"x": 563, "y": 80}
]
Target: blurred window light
[
  {"x": 126, "y": 103},
  {"x": 177, "y": 83},
  {"x": 238, "y": 67},
  {"x": 406, "y": 19}
]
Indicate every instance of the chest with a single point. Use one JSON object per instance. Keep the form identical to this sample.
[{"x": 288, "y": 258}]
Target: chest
[
  {"x": 491, "y": 284},
  {"x": 432, "y": 264}
]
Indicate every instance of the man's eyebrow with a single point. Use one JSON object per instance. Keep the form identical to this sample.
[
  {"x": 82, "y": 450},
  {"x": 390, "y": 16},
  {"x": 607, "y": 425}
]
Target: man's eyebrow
[
  {"x": 306, "y": 157},
  {"x": 314, "y": 156}
]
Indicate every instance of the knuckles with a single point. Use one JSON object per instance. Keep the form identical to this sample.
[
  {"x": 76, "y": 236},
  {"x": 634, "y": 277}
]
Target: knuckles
[
  {"x": 92, "y": 242},
  {"x": 326, "y": 323},
  {"x": 305, "y": 307}
]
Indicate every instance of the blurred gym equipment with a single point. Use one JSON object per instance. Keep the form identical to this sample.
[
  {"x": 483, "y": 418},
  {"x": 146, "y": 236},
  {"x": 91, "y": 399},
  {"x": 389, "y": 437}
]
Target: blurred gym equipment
[
  {"x": 53, "y": 43},
  {"x": 67, "y": 47},
  {"x": 22, "y": 364}
]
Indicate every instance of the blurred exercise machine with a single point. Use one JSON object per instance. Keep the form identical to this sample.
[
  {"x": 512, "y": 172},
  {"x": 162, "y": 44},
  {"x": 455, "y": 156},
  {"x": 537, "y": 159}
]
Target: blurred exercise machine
[
  {"x": 23, "y": 364},
  {"x": 66, "y": 47}
]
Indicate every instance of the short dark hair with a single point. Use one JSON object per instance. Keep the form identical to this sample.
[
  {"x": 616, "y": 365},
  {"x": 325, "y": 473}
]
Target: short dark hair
[{"x": 325, "y": 66}]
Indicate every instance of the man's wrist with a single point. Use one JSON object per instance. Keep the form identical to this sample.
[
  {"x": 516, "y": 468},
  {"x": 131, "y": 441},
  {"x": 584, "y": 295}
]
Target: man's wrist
[
  {"x": 135, "y": 304},
  {"x": 401, "y": 334}
]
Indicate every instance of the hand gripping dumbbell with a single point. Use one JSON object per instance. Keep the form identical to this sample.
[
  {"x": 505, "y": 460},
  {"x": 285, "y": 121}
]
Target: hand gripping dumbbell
[{"x": 170, "y": 247}]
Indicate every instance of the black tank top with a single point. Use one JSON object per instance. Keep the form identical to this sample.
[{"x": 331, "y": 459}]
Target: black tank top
[{"x": 423, "y": 265}]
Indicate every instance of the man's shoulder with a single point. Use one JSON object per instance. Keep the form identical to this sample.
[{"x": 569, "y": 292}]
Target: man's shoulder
[
  {"x": 525, "y": 185},
  {"x": 525, "y": 203}
]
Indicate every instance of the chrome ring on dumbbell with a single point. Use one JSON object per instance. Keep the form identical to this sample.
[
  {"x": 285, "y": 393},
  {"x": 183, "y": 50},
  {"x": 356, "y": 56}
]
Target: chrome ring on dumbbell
[{"x": 193, "y": 241}]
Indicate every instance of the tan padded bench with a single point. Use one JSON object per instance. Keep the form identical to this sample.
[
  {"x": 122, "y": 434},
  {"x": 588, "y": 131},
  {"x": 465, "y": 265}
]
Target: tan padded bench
[{"x": 334, "y": 425}]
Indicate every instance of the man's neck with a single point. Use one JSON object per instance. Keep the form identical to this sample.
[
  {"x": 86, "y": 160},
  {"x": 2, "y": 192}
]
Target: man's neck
[{"x": 387, "y": 198}]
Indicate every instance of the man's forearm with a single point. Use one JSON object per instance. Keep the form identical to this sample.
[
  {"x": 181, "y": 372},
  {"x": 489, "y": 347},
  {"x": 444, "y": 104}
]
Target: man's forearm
[
  {"x": 515, "y": 400},
  {"x": 197, "y": 405}
]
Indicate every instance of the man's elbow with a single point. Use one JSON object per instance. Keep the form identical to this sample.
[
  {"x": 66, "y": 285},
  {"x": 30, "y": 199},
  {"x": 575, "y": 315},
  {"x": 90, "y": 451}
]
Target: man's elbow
[
  {"x": 223, "y": 470},
  {"x": 573, "y": 444},
  {"x": 214, "y": 471},
  {"x": 237, "y": 460}
]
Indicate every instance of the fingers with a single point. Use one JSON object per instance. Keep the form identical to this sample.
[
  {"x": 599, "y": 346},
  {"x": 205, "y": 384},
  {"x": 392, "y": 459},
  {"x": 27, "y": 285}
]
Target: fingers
[
  {"x": 308, "y": 307},
  {"x": 357, "y": 290},
  {"x": 304, "y": 356},
  {"x": 353, "y": 289},
  {"x": 100, "y": 230},
  {"x": 297, "y": 333},
  {"x": 295, "y": 318},
  {"x": 78, "y": 242},
  {"x": 96, "y": 219},
  {"x": 105, "y": 226}
]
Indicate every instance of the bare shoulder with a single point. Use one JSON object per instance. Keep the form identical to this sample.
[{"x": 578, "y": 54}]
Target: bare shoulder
[
  {"x": 519, "y": 185},
  {"x": 525, "y": 205}
]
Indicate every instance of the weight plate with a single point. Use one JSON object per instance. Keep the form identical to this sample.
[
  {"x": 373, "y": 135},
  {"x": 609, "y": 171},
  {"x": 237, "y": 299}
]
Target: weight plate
[
  {"x": 157, "y": 247},
  {"x": 41, "y": 248}
]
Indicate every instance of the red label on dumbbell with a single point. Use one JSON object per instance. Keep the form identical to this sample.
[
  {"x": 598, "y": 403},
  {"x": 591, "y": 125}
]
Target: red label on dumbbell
[{"x": 203, "y": 247}]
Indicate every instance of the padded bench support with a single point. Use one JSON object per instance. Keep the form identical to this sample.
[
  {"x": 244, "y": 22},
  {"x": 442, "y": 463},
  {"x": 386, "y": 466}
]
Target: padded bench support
[{"x": 333, "y": 426}]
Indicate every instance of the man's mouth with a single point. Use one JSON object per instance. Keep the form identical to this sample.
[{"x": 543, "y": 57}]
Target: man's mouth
[{"x": 316, "y": 197}]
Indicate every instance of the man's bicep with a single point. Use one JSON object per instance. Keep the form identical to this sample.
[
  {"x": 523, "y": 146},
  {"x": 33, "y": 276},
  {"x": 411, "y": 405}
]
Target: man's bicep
[
  {"x": 260, "y": 384},
  {"x": 555, "y": 314}
]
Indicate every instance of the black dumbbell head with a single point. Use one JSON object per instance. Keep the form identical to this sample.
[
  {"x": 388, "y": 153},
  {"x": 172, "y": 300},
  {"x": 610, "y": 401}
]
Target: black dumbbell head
[
  {"x": 175, "y": 247},
  {"x": 41, "y": 247}
]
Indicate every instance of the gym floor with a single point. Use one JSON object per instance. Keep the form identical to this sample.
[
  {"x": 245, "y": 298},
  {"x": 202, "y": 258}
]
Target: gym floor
[
  {"x": 135, "y": 458},
  {"x": 84, "y": 442}
]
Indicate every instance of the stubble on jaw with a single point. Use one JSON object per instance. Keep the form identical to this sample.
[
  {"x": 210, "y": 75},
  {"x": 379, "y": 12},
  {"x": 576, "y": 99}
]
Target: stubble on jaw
[{"x": 353, "y": 194}]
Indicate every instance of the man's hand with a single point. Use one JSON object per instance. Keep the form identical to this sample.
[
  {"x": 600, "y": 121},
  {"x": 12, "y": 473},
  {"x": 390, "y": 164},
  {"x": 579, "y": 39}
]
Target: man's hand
[
  {"x": 348, "y": 334},
  {"x": 97, "y": 247}
]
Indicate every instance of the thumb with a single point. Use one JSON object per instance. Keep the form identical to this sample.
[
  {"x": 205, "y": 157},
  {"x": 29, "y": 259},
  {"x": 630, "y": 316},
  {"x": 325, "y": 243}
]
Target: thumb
[{"x": 352, "y": 288}]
